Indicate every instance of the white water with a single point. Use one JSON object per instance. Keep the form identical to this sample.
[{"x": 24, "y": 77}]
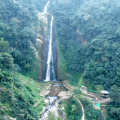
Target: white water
[
  {"x": 45, "y": 9},
  {"x": 51, "y": 108},
  {"x": 50, "y": 56}
]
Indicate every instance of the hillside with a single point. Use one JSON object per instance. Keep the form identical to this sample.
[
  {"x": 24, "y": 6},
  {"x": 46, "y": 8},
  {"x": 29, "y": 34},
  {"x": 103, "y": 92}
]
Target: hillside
[
  {"x": 17, "y": 98},
  {"x": 20, "y": 26},
  {"x": 88, "y": 38},
  {"x": 88, "y": 51},
  {"x": 20, "y": 54}
]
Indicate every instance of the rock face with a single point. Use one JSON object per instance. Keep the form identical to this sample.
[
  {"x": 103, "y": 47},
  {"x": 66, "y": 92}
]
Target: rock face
[
  {"x": 42, "y": 43},
  {"x": 55, "y": 54}
]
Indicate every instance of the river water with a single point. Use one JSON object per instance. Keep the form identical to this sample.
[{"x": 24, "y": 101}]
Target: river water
[{"x": 53, "y": 105}]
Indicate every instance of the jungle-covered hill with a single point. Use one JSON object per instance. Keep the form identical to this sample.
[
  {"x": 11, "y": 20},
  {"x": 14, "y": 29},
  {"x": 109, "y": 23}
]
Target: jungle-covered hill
[
  {"x": 18, "y": 28},
  {"x": 88, "y": 35}
]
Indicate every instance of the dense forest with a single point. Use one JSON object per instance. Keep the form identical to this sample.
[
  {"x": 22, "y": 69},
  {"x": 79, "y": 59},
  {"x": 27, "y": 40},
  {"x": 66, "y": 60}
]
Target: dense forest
[
  {"x": 18, "y": 27},
  {"x": 88, "y": 35},
  {"x": 88, "y": 39}
]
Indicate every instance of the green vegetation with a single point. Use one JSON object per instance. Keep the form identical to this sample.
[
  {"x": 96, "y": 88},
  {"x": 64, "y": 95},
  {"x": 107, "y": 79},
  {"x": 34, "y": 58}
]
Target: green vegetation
[
  {"x": 88, "y": 37},
  {"x": 18, "y": 98},
  {"x": 89, "y": 40},
  {"x": 18, "y": 93},
  {"x": 114, "y": 106},
  {"x": 72, "y": 109},
  {"x": 88, "y": 34},
  {"x": 51, "y": 116},
  {"x": 19, "y": 26},
  {"x": 90, "y": 113}
]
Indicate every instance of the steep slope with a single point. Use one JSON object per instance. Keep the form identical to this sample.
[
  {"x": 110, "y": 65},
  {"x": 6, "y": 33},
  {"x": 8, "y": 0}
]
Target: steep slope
[
  {"x": 23, "y": 35},
  {"x": 19, "y": 25},
  {"x": 18, "y": 97},
  {"x": 88, "y": 38},
  {"x": 18, "y": 93}
]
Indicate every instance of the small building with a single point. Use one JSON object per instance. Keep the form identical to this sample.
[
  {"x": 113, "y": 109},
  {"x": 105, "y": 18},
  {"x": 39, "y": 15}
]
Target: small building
[{"x": 104, "y": 94}]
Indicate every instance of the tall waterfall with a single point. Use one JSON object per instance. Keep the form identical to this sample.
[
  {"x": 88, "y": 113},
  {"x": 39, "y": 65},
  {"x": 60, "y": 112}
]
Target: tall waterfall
[{"x": 50, "y": 68}]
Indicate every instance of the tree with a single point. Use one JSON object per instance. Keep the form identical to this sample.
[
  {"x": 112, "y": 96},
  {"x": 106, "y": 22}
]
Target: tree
[
  {"x": 115, "y": 94},
  {"x": 98, "y": 89},
  {"x": 4, "y": 45},
  {"x": 6, "y": 60}
]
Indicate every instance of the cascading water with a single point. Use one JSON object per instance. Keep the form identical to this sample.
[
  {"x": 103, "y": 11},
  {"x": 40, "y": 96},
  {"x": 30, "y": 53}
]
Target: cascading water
[
  {"x": 45, "y": 9},
  {"x": 53, "y": 102},
  {"x": 50, "y": 69}
]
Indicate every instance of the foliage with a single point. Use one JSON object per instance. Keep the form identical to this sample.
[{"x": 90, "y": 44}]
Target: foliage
[
  {"x": 18, "y": 94},
  {"x": 51, "y": 116},
  {"x": 89, "y": 40},
  {"x": 4, "y": 45},
  {"x": 113, "y": 108},
  {"x": 90, "y": 113},
  {"x": 18, "y": 98},
  {"x": 73, "y": 110},
  {"x": 88, "y": 35},
  {"x": 18, "y": 25}
]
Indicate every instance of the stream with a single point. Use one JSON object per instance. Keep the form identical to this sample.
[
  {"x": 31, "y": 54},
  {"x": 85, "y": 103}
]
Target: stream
[{"x": 53, "y": 103}]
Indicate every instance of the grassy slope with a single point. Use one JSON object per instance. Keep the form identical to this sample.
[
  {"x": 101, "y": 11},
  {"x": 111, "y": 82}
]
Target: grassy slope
[{"x": 23, "y": 93}]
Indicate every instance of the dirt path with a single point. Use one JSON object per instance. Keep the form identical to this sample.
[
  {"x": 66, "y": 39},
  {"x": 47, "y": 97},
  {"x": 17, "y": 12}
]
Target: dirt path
[
  {"x": 72, "y": 88},
  {"x": 82, "y": 108},
  {"x": 68, "y": 86},
  {"x": 92, "y": 95}
]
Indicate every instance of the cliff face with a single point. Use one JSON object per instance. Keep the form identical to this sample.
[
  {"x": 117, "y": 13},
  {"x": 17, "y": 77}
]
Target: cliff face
[
  {"x": 55, "y": 54},
  {"x": 41, "y": 45},
  {"x": 40, "y": 49}
]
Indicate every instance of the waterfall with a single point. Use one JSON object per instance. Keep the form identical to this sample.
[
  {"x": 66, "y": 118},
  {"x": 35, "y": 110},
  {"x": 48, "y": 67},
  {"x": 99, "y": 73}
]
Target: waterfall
[
  {"x": 50, "y": 68},
  {"x": 45, "y": 9}
]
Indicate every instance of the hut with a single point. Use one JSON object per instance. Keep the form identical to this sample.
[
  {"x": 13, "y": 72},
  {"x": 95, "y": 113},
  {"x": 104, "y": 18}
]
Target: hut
[{"x": 104, "y": 94}]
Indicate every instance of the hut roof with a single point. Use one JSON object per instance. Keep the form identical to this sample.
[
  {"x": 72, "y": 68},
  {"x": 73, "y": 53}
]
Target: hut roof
[{"x": 104, "y": 92}]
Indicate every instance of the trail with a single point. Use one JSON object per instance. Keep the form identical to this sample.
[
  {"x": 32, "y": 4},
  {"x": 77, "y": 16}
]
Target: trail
[
  {"x": 68, "y": 86},
  {"x": 90, "y": 95},
  {"x": 72, "y": 88},
  {"x": 82, "y": 108}
]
